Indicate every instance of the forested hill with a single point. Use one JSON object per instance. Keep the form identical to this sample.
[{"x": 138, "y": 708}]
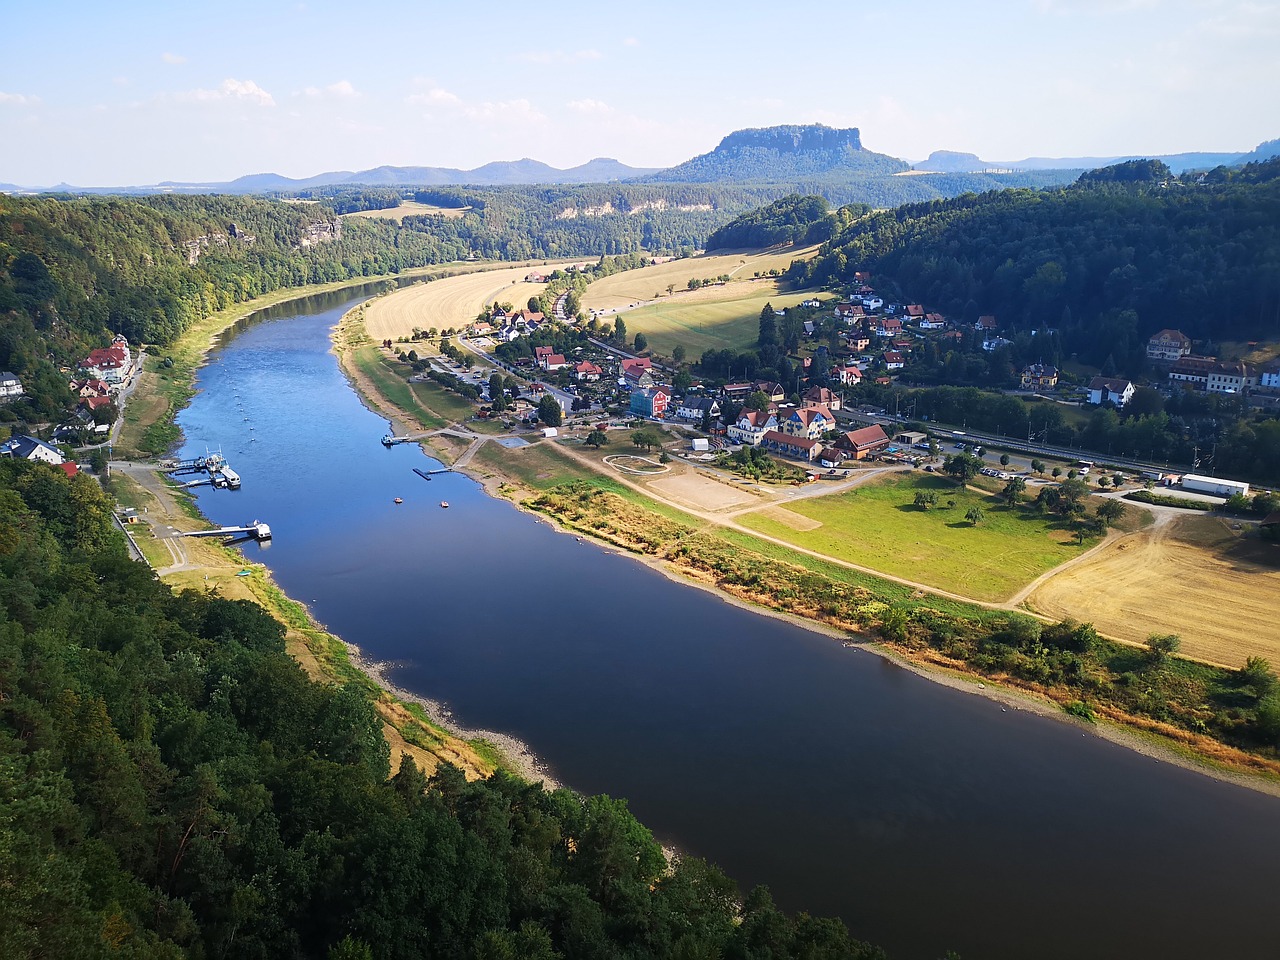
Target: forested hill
[
  {"x": 1107, "y": 262},
  {"x": 172, "y": 785},
  {"x": 74, "y": 270},
  {"x": 793, "y": 219}
]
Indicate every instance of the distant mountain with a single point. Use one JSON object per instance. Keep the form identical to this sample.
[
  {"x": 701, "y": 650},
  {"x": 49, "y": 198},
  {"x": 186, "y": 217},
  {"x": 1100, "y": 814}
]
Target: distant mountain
[
  {"x": 498, "y": 173},
  {"x": 1177, "y": 162},
  {"x": 1263, "y": 151},
  {"x": 948, "y": 161},
  {"x": 783, "y": 154}
]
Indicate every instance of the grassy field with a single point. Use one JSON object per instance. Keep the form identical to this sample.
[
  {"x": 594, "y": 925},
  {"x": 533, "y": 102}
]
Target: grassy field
[
  {"x": 1195, "y": 576},
  {"x": 410, "y": 208},
  {"x": 713, "y": 318},
  {"x": 447, "y": 302},
  {"x": 635, "y": 286},
  {"x": 879, "y": 527}
]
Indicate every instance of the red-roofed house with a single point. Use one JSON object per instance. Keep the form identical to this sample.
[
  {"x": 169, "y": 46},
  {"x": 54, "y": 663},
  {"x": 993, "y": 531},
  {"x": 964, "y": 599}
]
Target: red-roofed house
[
  {"x": 893, "y": 360},
  {"x": 986, "y": 323},
  {"x": 809, "y": 421},
  {"x": 915, "y": 311},
  {"x": 822, "y": 396},
  {"x": 932, "y": 321},
  {"x": 849, "y": 312},
  {"x": 849, "y": 375},
  {"x": 69, "y": 468},
  {"x": 650, "y": 402},
  {"x": 751, "y": 427},
  {"x": 888, "y": 327},
  {"x": 1168, "y": 346},
  {"x": 859, "y": 444},
  {"x": 587, "y": 371}
]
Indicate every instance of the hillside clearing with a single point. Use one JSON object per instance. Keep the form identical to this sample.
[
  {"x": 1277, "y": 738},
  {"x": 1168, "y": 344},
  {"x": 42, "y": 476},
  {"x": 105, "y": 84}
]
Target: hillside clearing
[{"x": 409, "y": 208}]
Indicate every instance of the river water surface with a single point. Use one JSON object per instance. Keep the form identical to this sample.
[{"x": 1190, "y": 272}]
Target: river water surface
[{"x": 928, "y": 819}]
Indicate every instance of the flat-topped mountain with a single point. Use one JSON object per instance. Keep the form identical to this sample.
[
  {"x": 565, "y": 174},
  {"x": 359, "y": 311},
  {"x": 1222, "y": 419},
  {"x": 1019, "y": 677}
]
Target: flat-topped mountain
[{"x": 786, "y": 153}]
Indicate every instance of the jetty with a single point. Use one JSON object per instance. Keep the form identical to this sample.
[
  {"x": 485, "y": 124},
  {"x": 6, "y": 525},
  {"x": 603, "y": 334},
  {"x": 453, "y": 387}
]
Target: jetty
[
  {"x": 215, "y": 465},
  {"x": 255, "y": 530},
  {"x": 428, "y": 474}
]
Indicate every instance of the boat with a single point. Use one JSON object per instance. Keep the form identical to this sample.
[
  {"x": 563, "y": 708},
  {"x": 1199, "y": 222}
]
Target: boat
[
  {"x": 398, "y": 500},
  {"x": 444, "y": 503}
]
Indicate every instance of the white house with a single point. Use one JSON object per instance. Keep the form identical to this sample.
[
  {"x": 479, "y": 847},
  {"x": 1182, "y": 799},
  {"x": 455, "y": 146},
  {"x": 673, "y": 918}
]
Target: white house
[
  {"x": 1269, "y": 376},
  {"x": 1102, "y": 389},
  {"x": 29, "y": 448},
  {"x": 10, "y": 386},
  {"x": 695, "y": 408},
  {"x": 751, "y": 427}
]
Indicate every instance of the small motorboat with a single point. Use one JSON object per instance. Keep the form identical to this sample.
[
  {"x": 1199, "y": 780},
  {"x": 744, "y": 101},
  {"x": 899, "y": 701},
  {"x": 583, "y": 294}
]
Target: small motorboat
[
  {"x": 398, "y": 500},
  {"x": 444, "y": 504}
]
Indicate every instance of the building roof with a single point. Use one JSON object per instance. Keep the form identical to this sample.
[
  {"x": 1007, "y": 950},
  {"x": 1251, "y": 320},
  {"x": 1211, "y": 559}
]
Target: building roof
[
  {"x": 822, "y": 395},
  {"x": 1040, "y": 370},
  {"x": 807, "y": 414},
  {"x": 23, "y": 447},
  {"x": 1110, "y": 384},
  {"x": 757, "y": 418},
  {"x": 915, "y": 310},
  {"x": 586, "y": 366},
  {"x": 1177, "y": 335},
  {"x": 866, "y": 436},
  {"x": 893, "y": 356}
]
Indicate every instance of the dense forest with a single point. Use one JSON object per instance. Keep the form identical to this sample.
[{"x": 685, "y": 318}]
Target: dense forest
[
  {"x": 172, "y": 785},
  {"x": 1105, "y": 263}
]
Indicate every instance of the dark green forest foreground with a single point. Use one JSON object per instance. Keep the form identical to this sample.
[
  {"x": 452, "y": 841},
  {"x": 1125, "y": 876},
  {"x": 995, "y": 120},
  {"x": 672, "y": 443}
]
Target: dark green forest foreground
[{"x": 172, "y": 785}]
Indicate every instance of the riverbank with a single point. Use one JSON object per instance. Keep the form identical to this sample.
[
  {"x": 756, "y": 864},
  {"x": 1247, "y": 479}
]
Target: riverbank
[
  {"x": 805, "y": 591},
  {"x": 413, "y": 726}
]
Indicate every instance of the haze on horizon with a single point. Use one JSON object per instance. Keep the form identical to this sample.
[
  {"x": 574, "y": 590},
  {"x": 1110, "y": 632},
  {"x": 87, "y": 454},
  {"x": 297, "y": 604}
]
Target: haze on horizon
[{"x": 93, "y": 96}]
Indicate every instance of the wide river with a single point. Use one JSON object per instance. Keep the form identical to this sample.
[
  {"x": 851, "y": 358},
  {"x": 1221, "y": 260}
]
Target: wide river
[{"x": 927, "y": 818}]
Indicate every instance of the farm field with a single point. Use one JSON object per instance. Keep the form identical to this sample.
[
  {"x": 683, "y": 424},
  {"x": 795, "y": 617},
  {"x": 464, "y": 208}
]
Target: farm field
[
  {"x": 410, "y": 208},
  {"x": 878, "y": 526},
  {"x": 713, "y": 318},
  {"x": 1189, "y": 575},
  {"x": 622, "y": 290},
  {"x": 448, "y": 302}
]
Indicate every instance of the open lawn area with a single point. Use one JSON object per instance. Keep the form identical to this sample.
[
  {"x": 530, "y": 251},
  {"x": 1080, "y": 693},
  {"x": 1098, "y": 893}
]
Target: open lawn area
[
  {"x": 409, "y": 208},
  {"x": 713, "y": 318},
  {"x": 878, "y": 526}
]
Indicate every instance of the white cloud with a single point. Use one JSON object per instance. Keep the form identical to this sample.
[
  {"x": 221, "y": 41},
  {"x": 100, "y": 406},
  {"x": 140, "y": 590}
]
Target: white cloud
[
  {"x": 231, "y": 89},
  {"x": 631, "y": 42},
  {"x": 588, "y": 106},
  {"x": 521, "y": 111},
  {"x": 173, "y": 58},
  {"x": 342, "y": 89},
  {"x": 20, "y": 99},
  {"x": 436, "y": 96}
]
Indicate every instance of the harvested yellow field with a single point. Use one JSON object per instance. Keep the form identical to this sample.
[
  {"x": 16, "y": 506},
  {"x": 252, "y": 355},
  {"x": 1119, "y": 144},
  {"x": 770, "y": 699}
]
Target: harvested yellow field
[
  {"x": 701, "y": 492},
  {"x": 623, "y": 290},
  {"x": 790, "y": 518},
  {"x": 410, "y": 208},
  {"x": 449, "y": 302},
  {"x": 1190, "y": 575}
]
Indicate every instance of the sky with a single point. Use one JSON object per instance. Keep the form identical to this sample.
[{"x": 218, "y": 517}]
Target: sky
[{"x": 124, "y": 93}]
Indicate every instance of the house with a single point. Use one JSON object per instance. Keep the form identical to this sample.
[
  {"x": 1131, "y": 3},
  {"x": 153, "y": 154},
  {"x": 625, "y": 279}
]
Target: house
[
  {"x": 860, "y": 444},
  {"x": 888, "y": 327},
  {"x": 797, "y": 448},
  {"x": 1168, "y": 346},
  {"x": 751, "y": 426},
  {"x": 932, "y": 321},
  {"x": 644, "y": 362},
  {"x": 914, "y": 311},
  {"x": 893, "y": 360},
  {"x": 776, "y": 392},
  {"x": 985, "y": 324},
  {"x": 992, "y": 344},
  {"x": 1039, "y": 376},
  {"x": 29, "y": 448},
  {"x": 541, "y": 353},
  {"x": 736, "y": 391},
  {"x": 10, "y": 386},
  {"x": 1103, "y": 389},
  {"x": 636, "y": 377},
  {"x": 823, "y": 397},
  {"x": 871, "y": 302},
  {"x": 849, "y": 375},
  {"x": 811, "y": 303},
  {"x": 1232, "y": 377},
  {"x": 810, "y": 421},
  {"x": 1269, "y": 376},
  {"x": 911, "y": 438},
  {"x": 650, "y": 402},
  {"x": 849, "y": 312},
  {"x": 95, "y": 403},
  {"x": 1193, "y": 370},
  {"x": 481, "y": 329},
  {"x": 586, "y": 371},
  {"x": 554, "y": 361},
  {"x": 695, "y": 408},
  {"x": 857, "y": 342},
  {"x": 809, "y": 328}
]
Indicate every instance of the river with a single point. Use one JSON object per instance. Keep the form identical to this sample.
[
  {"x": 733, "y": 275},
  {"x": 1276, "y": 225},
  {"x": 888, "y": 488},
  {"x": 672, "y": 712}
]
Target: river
[{"x": 927, "y": 818}]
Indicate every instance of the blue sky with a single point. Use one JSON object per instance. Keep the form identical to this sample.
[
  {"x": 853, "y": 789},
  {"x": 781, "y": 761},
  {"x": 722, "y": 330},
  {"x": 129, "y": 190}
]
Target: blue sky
[{"x": 140, "y": 92}]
